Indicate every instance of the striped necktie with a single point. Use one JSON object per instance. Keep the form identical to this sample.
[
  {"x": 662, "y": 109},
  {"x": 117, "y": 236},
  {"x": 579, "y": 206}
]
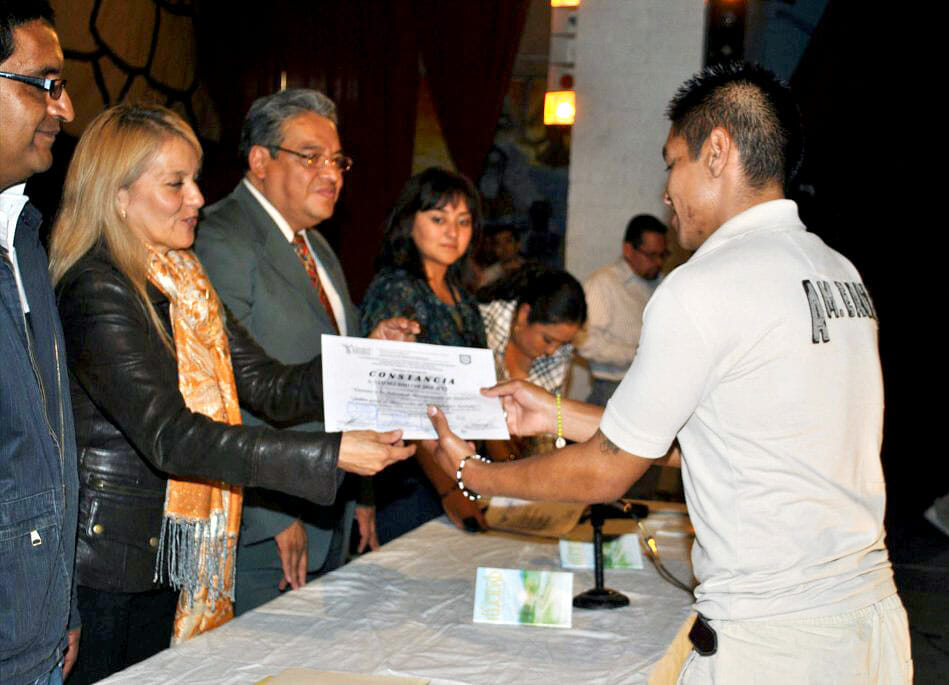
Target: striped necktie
[{"x": 303, "y": 252}]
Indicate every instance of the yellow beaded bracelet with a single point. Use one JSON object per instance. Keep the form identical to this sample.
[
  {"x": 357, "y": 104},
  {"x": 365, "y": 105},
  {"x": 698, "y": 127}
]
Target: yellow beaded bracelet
[{"x": 559, "y": 443}]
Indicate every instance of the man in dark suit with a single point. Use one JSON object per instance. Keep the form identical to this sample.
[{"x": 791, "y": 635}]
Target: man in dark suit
[{"x": 281, "y": 280}]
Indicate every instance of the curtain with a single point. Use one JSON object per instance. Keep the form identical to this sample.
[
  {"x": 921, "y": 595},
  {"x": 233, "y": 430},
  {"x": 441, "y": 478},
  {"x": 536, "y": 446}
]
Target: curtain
[
  {"x": 371, "y": 71},
  {"x": 468, "y": 51}
]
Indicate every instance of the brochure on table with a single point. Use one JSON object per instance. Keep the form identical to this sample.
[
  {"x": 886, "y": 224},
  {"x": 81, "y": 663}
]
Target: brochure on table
[{"x": 522, "y": 597}]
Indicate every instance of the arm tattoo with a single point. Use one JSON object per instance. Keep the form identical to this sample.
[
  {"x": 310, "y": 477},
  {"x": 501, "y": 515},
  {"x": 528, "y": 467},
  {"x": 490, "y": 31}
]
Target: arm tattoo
[{"x": 606, "y": 445}]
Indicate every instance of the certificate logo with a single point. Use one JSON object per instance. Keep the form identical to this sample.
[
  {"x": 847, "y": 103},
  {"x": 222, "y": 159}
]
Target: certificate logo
[
  {"x": 464, "y": 358},
  {"x": 355, "y": 349}
]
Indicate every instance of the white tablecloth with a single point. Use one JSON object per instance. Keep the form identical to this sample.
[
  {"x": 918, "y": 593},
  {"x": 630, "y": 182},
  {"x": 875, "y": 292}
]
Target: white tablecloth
[{"x": 406, "y": 610}]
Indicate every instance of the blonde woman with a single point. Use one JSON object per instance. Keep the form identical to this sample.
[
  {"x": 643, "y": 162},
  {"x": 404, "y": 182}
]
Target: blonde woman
[{"x": 157, "y": 372}]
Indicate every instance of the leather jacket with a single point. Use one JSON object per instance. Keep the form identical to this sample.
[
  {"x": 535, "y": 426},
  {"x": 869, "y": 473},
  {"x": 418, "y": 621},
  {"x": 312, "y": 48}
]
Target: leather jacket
[
  {"x": 133, "y": 428},
  {"x": 38, "y": 484}
]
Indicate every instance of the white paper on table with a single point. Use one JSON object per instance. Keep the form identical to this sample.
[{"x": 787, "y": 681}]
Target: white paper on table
[
  {"x": 385, "y": 384},
  {"x": 622, "y": 552}
]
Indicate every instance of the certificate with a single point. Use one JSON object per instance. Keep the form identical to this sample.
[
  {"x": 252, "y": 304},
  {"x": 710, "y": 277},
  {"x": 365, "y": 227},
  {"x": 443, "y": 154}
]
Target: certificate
[{"x": 384, "y": 384}]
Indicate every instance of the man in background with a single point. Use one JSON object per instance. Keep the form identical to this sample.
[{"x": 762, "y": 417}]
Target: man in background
[
  {"x": 616, "y": 297},
  {"x": 39, "y": 621},
  {"x": 506, "y": 249}
]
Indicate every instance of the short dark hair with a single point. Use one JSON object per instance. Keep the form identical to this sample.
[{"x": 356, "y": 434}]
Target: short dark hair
[
  {"x": 263, "y": 124},
  {"x": 553, "y": 295},
  {"x": 434, "y": 188},
  {"x": 757, "y": 110},
  {"x": 638, "y": 225},
  {"x": 14, "y": 13}
]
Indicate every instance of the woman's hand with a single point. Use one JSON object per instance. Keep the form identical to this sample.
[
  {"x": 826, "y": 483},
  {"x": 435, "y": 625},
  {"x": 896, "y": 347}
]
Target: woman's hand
[
  {"x": 530, "y": 410},
  {"x": 396, "y": 328},
  {"x": 365, "y": 453}
]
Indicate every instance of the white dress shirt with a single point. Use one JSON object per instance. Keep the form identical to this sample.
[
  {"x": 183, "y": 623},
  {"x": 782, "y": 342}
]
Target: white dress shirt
[
  {"x": 616, "y": 297},
  {"x": 335, "y": 301},
  {"x": 12, "y": 202}
]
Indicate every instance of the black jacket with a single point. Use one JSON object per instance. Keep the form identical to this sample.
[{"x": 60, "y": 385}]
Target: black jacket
[{"x": 133, "y": 428}]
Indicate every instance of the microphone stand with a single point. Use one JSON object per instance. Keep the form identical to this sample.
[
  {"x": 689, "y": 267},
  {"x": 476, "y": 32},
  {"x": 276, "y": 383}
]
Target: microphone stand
[{"x": 599, "y": 597}]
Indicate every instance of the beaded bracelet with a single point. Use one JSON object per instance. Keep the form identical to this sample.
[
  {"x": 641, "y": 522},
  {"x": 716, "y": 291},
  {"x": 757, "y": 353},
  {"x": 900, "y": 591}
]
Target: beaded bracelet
[
  {"x": 559, "y": 443},
  {"x": 470, "y": 494}
]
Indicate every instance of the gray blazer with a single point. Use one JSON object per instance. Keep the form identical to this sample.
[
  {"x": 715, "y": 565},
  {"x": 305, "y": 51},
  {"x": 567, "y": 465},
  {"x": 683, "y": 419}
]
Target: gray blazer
[{"x": 262, "y": 281}]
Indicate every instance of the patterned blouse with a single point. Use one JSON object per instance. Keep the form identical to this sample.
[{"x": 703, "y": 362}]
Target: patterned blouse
[
  {"x": 549, "y": 372},
  {"x": 395, "y": 292}
]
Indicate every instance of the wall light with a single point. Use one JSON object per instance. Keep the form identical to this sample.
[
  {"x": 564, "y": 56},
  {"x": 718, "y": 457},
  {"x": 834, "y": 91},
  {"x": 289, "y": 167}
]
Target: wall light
[
  {"x": 564, "y": 3},
  {"x": 560, "y": 107}
]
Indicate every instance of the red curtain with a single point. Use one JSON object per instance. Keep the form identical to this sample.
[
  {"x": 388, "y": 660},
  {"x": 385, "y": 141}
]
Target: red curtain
[
  {"x": 468, "y": 51},
  {"x": 363, "y": 55}
]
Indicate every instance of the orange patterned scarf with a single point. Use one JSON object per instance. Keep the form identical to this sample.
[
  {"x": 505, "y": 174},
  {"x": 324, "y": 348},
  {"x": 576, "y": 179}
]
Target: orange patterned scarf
[{"x": 201, "y": 519}]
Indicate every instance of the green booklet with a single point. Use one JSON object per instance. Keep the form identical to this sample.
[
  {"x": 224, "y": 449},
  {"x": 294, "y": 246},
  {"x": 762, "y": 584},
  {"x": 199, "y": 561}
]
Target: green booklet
[
  {"x": 620, "y": 552},
  {"x": 512, "y": 596}
]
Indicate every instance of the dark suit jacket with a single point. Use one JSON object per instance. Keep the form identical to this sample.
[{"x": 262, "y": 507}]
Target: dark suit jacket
[{"x": 261, "y": 279}]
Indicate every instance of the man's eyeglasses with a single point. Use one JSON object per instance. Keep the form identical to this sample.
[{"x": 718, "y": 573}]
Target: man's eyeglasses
[
  {"x": 339, "y": 161},
  {"x": 53, "y": 86},
  {"x": 657, "y": 256}
]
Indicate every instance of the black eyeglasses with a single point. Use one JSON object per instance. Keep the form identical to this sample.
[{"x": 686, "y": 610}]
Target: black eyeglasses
[
  {"x": 339, "y": 161},
  {"x": 53, "y": 86},
  {"x": 657, "y": 256}
]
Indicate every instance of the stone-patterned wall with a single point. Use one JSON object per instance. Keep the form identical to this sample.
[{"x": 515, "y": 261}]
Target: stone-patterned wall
[{"x": 131, "y": 51}]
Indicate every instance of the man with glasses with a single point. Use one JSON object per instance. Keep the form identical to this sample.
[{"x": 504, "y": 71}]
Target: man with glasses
[
  {"x": 616, "y": 297},
  {"x": 282, "y": 281},
  {"x": 39, "y": 622}
]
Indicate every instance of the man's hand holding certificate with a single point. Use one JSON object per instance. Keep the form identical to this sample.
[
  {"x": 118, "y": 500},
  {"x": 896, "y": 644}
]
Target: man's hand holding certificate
[{"x": 384, "y": 384}]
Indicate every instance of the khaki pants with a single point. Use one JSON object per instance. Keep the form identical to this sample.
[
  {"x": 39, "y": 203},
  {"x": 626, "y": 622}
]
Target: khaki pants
[{"x": 864, "y": 647}]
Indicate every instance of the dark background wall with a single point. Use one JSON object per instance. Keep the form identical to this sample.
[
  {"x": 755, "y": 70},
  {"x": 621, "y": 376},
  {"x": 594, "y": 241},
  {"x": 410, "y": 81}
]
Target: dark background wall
[{"x": 858, "y": 99}]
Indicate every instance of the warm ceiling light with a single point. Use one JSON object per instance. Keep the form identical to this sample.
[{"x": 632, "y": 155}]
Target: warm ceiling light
[
  {"x": 560, "y": 107},
  {"x": 564, "y": 3}
]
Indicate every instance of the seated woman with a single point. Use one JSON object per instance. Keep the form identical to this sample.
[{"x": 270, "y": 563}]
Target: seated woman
[
  {"x": 157, "y": 372},
  {"x": 428, "y": 236},
  {"x": 531, "y": 318}
]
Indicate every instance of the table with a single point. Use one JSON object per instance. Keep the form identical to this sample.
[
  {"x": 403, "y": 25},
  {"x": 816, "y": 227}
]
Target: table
[{"x": 406, "y": 610}]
